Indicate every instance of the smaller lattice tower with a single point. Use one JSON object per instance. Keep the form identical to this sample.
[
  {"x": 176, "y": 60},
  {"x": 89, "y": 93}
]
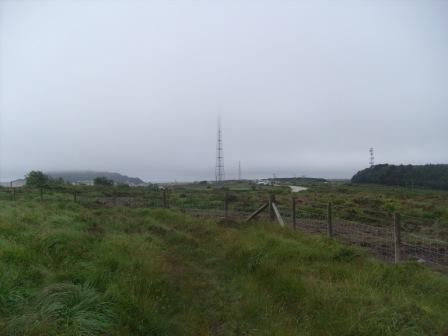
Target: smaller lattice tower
[{"x": 372, "y": 157}]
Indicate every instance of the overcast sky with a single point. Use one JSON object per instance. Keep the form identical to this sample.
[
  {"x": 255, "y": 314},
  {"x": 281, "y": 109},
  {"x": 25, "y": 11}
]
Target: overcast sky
[{"x": 302, "y": 88}]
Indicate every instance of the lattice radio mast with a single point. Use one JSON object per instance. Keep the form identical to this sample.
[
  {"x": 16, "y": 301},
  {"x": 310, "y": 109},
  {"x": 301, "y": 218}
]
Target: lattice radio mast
[
  {"x": 372, "y": 157},
  {"x": 219, "y": 169},
  {"x": 239, "y": 170}
]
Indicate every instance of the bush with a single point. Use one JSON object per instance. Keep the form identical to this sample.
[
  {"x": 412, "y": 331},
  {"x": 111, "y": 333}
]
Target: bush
[{"x": 103, "y": 181}]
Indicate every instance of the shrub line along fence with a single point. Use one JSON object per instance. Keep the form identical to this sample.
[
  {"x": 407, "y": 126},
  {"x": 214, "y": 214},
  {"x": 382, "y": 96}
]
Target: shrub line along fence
[{"x": 388, "y": 242}]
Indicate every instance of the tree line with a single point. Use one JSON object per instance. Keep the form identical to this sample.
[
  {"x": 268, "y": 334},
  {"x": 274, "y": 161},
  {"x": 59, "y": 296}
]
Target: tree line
[
  {"x": 38, "y": 179},
  {"x": 431, "y": 175}
]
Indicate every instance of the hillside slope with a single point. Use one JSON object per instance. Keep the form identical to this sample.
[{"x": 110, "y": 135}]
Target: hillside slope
[
  {"x": 431, "y": 175},
  {"x": 67, "y": 270},
  {"x": 84, "y": 176}
]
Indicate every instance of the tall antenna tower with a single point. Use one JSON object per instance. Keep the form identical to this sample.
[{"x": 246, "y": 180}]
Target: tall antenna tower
[
  {"x": 372, "y": 157},
  {"x": 239, "y": 170},
  {"x": 219, "y": 169}
]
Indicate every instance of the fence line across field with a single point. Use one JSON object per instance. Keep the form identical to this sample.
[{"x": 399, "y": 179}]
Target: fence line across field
[{"x": 390, "y": 242}]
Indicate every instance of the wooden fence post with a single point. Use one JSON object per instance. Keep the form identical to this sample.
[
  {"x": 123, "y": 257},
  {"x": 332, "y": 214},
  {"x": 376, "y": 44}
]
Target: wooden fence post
[
  {"x": 115, "y": 198},
  {"x": 277, "y": 214},
  {"x": 329, "y": 220},
  {"x": 258, "y": 211},
  {"x": 271, "y": 208},
  {"x": 226, "y": 205},
  {"x": 397, "y": 237},
  {"x": 13, "y": 194},
  {"x": 294, "y": 220}
]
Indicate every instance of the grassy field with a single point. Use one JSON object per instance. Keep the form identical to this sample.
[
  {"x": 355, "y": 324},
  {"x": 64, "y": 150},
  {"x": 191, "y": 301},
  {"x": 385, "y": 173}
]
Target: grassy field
[
  {"x": 71, "y": 270},
  {"x": 423, "y": 211}
]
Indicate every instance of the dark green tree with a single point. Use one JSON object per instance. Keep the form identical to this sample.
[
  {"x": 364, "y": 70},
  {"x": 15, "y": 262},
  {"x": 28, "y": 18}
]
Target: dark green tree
[
  {"x": 36, "y": 178},
  {"x": 429, "y": 176},
  {"x": 102, "y": 181}
]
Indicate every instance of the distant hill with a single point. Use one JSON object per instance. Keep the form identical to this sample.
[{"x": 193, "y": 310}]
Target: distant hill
[
  {"x": 297, "y": 180},
  {"x": 15, "y": 183},
  {"x": 294, "y": 179},
  {"x": 430, "y": 176},
  {"x": 88, "y": 176}
]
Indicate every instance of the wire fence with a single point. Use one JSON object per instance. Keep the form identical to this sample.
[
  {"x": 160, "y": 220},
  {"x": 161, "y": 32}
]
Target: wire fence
[
  {"x": 429, "y": 250},
  {"x": 381, "y": 240}
]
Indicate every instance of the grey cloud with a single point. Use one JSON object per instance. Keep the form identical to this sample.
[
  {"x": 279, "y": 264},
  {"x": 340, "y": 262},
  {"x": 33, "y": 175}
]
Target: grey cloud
[{"x": 302, "y": 87}]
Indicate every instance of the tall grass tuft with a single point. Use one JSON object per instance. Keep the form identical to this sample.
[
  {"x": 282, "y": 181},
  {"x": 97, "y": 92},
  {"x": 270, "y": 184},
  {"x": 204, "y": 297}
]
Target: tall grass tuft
[{"x": 63, "y": 308}]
